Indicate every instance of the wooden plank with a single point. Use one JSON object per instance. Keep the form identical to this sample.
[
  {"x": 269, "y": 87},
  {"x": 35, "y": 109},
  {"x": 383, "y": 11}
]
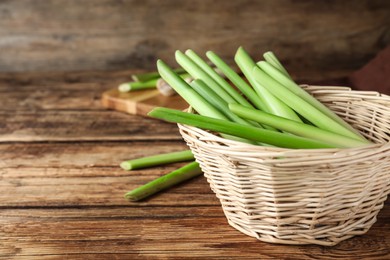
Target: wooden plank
[
  {"x": 311, "y": 38},
  {"x": 101, "y": 191},
  {"x": 187, "y": 232},
  {"x": 87, "y": 174},
  {"x": 80, "y": 155},
  {"x": 64, "y": 80},
  {"x": 54, "y": 91},
  {"x": 32, "y": 126},
  {"x": 130, "y": 211},
  {"x": 87, "y": 97}
]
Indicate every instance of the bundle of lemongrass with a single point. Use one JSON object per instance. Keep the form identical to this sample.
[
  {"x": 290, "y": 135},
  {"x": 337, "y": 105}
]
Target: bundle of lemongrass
[{"x": 268, "y": 108}]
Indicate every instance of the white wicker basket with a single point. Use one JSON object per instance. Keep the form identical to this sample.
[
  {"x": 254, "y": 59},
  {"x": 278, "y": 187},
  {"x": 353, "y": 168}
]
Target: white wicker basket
[{"x": 302, "y": 196}]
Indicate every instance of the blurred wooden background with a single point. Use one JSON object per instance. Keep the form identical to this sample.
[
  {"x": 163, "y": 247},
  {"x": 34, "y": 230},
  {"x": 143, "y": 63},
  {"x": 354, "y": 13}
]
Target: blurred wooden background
[{"x": 315, "y": 39}]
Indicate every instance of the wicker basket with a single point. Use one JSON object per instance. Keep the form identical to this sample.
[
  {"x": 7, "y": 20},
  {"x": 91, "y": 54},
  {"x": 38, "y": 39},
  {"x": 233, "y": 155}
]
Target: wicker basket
[{"x": 301, "y": 196}]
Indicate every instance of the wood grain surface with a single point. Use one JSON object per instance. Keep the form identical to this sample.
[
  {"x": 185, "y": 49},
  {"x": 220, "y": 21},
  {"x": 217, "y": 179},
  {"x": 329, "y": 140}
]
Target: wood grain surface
[
  {"x": 140, "y": 102},
  {"x": 331, "y": 37},
  {"x": 62, "y": 189}
]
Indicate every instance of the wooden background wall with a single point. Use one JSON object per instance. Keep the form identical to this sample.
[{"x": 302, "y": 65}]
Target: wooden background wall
[{"x": 319, "y": 39}]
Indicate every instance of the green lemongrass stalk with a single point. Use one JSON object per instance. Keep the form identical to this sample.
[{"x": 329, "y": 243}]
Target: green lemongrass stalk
[
  {"x": 235, "y": 79},
  {"x": 184, "y": 75},
  {"x": 217, "y": 101},
  {"x": 142, "y": 77},
  {"x": 184, "y": 173},
  {"x": 300, "y": 105},
  {"x": 297, "y": 90},
  {"x": 217, "y": 78},
  {"x": 140, "y": 85},
  {"x": 190, "y": 95},
  {"x": 136, "y": 85},
  {"x": 294, "y": 127},
  {"x": 187, "y": 93},
  {"x": 155, "y": 160},
  {"x": 198, "y": 73},
  {"x": 273, "y": 104},
  {"x": 270, "y": 57},
  {"x": 235, "y": 129}
]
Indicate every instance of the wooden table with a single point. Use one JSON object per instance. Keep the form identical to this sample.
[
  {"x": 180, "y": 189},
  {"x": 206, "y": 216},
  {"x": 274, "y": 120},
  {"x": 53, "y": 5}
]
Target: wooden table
[{"x": 62, "y": 189}]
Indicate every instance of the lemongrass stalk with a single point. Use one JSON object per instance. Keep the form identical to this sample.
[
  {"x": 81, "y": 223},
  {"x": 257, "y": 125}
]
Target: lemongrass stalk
[
  {"x": 270, "y": 57},
  {"x": 294, "y": 127},
  {"x": 184, "y": 173},
  {"x": 155, "y": 160},
  {"x": 217, "y": 78},
  {"x": 217, "y": 101},
  {"x": 142, "y": 77},
  {"x": 235, "y": 129},
  {"x": 300, "y": 105},
  {"x": 244, "y": 62},
  {"x": 190, "y": 95},
  {"x": 297, "y": 90},
  {"x": 198, "y": 73},
  {"x": 185, "y": 75},
  {"x": 235, "y": 79},
  {"x": 136, "y": 85},
  {"x": 187, "y": 93},
  {"x": 273, "y": 104}
]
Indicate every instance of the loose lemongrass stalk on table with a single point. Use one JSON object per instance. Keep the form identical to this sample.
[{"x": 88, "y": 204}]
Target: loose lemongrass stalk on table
[
  {"x": 297, "y": 90},
  {"x": 270, "y": 57},
  {"x": 184, "y": 173},
  {"x": 143, "y": 77},
  {"x": 294, "y": 127},
  {"x": 217, "y": 78},
  {"x": 235, "y": 79},
  {"x": 300, "y": 105},
  {"x": 272, "y": 103},
  {"x": 235, "y": 129},
  {"x": 155, "y": 160},
  {"x": 137, "y": 85}
]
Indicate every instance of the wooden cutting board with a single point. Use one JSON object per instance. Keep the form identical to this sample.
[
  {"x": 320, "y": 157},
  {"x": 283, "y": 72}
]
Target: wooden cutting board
[{"x": 140, "y": 102}]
